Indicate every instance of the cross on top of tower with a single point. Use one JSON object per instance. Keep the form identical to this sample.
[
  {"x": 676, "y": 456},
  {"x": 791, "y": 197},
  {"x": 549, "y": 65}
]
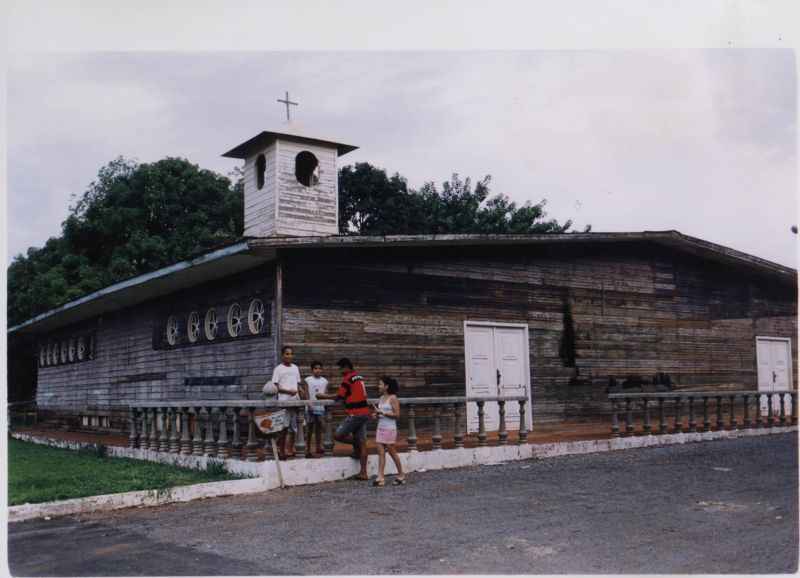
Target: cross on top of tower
[{"x": 287, "y": 102}]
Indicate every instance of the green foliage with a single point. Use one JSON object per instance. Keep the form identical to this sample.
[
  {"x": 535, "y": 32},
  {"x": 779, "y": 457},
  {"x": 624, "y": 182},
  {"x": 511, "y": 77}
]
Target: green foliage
[
  {"x": 133, "y": 219},
  {"x": 42, "y": 474},
  {"x": 370, "y": 203}
]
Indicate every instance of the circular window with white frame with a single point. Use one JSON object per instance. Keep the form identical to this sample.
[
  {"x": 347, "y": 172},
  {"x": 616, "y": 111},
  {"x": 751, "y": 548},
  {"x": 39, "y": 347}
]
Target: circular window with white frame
[
  {"x": 255, "y": 316},
  {"x": 211, "y": 324},
  {"x": 234, "y": 320},
  {"x": 172, "y": 330},
  {"x": 193, "y": 327}
]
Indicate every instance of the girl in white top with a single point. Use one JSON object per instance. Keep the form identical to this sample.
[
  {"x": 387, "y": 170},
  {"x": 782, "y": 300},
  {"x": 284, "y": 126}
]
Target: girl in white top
[{"x": 388, "y": 412}]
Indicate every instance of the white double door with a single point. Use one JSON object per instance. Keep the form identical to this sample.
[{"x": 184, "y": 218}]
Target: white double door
[
  {"x": 497, "y": 364},
  {"x": 774, "y": 357}
]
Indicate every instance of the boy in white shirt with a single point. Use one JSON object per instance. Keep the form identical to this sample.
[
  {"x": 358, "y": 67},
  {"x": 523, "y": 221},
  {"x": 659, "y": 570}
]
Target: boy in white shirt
[
  {"x": 315, "y": 384},
  {"x": 286, "y": 378}
]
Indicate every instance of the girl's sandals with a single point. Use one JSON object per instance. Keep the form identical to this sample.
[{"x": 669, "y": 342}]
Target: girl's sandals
[
  {"x": 378, "y": 483},
  {"x": 398, "y": 482}
]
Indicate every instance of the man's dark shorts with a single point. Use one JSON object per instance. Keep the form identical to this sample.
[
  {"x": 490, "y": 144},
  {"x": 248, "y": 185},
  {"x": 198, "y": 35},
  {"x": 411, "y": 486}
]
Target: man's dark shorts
[{"x": 355, "y": 425}]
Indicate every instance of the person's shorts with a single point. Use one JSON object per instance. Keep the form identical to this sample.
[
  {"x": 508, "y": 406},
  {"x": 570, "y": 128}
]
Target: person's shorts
[
  {"x": 314, "y": 414},
  {"x": 355, "y": 425},
  {"x": 386, "y": 436}
]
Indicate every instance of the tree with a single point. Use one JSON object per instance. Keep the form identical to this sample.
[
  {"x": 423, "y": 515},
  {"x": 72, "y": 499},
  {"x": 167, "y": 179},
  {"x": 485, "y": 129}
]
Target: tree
[
  {"x": 370, "y": 203},
  {"x": 133, "y": 219}
]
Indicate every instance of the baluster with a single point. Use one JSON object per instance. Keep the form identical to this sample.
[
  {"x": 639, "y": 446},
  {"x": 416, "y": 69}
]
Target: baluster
[
  {"x": 269, "y": 455},
  {"x": 436, "y": 438},
  {"x": 733, "y": 422},
  {"x": 481, "y": 424},
  {"x": 720, "y": 423},
  {"x": 144, "y": 436},
  {"x": 692, "y": 423},
  {"x": 783, "y": 409},
  {"x": 186, "y": 441},
  {"x": 133, "y": 432},
  {"x": 628, "y": 417},
  {"x": 523, "y": 422},
  {"x": 223, "y": 450},
  {"x": 746, "y": 419},
  {"x": 236, "y": 435},
  {"x": 327, "y": 443},
  {"x": 757, "y": 417},
  {"x": 300, "y": 434},
  {"x": 209, "y": 447},
  {"x": 662, "y": 418},
  {"x": 450, "y": 423},
  {"x": 706, "y": 418},
  {"x": 770, "y": 411},
  {"x": 412, "y": 428},
  {"x": 793, "y": 399},
  {"x": 153, "y": 442},
  {"x": 614, "y": 418},
  {"x": 458, "y": 428},
  {"x": 163, "y": 420},
  {"x": 502, "y": 434},
  {"x": 678, "y": 426},
  {"x": 252, "y": 446},
  {"x": 175, "y": 428},
  {"x": 648, "y": 429},
  {"x": 197, "y": 440}
]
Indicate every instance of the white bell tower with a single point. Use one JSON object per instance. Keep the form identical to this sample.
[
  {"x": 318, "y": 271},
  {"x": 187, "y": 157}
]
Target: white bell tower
[{"x": 291, "y": 185}]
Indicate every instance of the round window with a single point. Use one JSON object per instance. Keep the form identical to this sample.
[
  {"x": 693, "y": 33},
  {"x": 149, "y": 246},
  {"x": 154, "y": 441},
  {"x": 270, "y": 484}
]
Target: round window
[
  {"x": 306, "y": 169},
  {"x": 211, "y": 324},
  {"x": 81, "y": 348},
  {"x": 234, "y": 320},
  {"x": 172, "y": 330},
  {"x": 193, "y": 327},
  {"x": 255, "y": 316}
]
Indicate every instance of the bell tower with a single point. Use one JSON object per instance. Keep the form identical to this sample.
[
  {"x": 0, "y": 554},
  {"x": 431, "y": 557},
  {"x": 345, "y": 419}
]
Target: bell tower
[{"x": 291, "y": 185}]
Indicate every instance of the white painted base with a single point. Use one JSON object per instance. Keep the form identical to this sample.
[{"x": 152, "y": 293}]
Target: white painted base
[{"x": 300, "y": 472}]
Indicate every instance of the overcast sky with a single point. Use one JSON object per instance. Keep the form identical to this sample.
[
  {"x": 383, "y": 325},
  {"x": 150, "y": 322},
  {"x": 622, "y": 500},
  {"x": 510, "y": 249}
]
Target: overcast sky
[{"x": 702, "y": 141}]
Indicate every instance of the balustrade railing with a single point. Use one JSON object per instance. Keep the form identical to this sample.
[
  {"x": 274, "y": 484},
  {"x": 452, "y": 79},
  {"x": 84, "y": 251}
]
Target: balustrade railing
[
  {"x": 213, "y": 428},
  {"x": 635, "y": 408}
]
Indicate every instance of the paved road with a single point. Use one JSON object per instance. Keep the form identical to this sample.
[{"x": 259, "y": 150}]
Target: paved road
[{"x": 716, "y": 507}]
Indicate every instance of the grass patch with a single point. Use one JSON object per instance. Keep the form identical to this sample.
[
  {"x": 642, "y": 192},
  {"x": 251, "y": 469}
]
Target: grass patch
[{"x": 39, "y": 473}]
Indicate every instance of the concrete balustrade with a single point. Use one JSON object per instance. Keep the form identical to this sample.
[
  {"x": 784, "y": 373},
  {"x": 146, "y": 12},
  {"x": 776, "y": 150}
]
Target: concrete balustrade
[
  {"x": 635, "y": 407},
  {"x": 214, "y": 428}
]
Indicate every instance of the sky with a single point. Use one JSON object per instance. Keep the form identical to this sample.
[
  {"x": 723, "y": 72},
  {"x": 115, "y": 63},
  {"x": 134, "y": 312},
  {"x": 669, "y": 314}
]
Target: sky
[{"x": 698, "y": 140}]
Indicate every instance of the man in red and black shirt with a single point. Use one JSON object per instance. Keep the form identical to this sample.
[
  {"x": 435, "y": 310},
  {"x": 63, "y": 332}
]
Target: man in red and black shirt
[{"x": 353, "y": 430}]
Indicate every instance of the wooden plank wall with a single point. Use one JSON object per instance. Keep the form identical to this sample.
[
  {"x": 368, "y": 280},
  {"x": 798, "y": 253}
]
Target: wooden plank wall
[
  {"x": 307, "y": 210},
  {"x": 128, "y": 368},
  {"x": 259, "y": 204},
  {"x": 637, "y": 309}
]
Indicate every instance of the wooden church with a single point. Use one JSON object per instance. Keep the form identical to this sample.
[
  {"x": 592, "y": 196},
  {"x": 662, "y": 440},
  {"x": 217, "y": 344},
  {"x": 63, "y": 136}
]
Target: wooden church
[{"x": 553, "y": 317}]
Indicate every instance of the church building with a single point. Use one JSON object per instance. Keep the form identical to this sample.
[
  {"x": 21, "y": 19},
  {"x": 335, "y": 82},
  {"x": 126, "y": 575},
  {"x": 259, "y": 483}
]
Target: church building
[{"x": 552, "y": 316}]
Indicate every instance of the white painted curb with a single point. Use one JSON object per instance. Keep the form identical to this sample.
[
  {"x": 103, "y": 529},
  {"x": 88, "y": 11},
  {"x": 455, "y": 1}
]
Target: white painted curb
[{"x": 303, "y": 472}]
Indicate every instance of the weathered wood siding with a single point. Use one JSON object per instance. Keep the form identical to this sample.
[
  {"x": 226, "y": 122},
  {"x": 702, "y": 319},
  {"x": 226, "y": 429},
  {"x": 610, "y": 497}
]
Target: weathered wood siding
[
  {"x": 637, "y": 309},
  {"x": 259, "y": 204},
  {"x": 130, "y": 365},
  {"x": 307, "y": 210}
]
